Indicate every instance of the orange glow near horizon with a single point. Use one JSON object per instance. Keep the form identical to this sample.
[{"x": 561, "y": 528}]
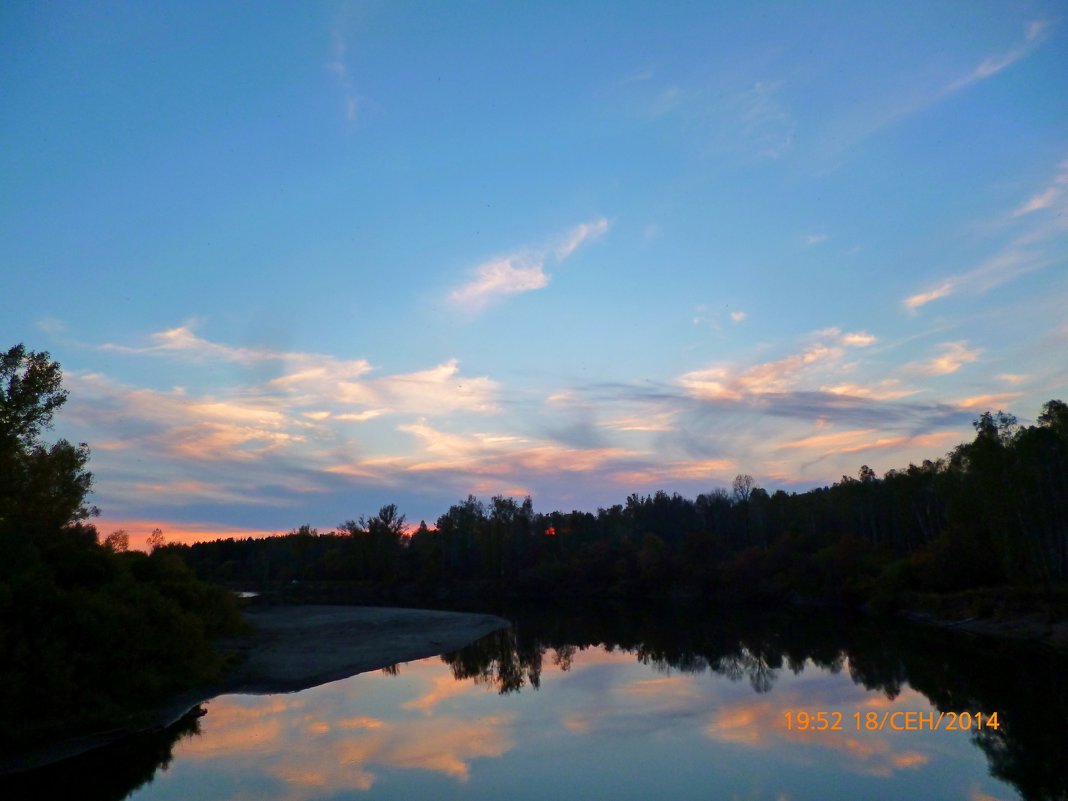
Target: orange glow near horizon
[{"x": 180, "y": 532}]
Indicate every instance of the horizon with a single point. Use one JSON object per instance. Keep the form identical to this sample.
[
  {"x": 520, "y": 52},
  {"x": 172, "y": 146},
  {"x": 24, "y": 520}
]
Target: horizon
[{"x": 301, "y": 263}]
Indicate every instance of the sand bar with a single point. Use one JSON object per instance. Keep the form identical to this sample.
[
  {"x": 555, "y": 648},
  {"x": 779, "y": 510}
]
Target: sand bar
[{"x": 296, "y": 647}]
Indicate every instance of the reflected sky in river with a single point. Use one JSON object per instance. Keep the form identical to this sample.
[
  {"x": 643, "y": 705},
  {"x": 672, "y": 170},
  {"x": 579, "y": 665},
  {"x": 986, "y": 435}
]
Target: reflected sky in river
[{"x": 601, "y": 724}]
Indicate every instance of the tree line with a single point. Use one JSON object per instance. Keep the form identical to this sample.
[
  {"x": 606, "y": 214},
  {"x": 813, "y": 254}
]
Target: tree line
[{"x": 991, "y": 513}]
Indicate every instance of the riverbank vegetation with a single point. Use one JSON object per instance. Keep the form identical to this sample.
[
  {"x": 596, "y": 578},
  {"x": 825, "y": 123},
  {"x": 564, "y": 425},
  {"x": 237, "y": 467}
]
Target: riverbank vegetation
[
  {"x": 91, "y": 636},
  {"x": 982, "y": 530}
]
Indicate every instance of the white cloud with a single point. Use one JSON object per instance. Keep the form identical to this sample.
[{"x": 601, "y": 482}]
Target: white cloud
[
  {"x": 815, "y": 239},
  {"x": 497, "y": 279},
  {"x": 738, "y": 316},
  {"x": 523, "y": 271},
  {"x": 578, "y": 235}
]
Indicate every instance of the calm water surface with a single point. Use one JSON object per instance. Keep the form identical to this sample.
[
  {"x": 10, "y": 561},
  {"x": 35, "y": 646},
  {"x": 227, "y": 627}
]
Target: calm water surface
[{"x": 620, "y": 705}]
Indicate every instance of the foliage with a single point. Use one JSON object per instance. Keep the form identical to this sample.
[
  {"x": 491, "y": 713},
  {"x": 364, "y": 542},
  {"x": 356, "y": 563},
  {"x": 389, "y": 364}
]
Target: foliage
[{"x": 90, "y": 634}]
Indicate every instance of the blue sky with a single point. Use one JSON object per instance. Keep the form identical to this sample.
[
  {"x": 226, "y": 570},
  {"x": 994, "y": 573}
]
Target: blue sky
[{"x": 301, "y": 260}]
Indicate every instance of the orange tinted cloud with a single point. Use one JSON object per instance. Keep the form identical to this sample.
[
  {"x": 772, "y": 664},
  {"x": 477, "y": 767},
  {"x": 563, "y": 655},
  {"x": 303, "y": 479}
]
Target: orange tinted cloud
[
  {"x": 953, "y": 356},
  {"x": 728, "y": 382},
  {"x": 994, "y": 401},
  {"x": 860, "y": 440}
]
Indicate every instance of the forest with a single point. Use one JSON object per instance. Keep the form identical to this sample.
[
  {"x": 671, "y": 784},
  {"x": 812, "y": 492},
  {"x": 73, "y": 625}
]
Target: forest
[{"x": 992, "y": 513}]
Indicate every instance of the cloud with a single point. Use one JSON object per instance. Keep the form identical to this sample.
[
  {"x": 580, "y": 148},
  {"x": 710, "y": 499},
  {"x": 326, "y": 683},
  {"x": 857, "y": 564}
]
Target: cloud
[
  {"x": 522, "y": 271},
  {"x": 1049, "y": 196},
  {"x": 766, "y": 126},
  {"x": 886, "y": 389},
  {"x": 724, "y": 381},
  {"x": 997, "y": 400},
  {"x": 327, "y": 430},
  {"x": 914, "y": 302},
  {"x": 1040, "y": 201},
  {"x": 858, "y": 339},
  {"x": 183, "y": 342},
  {"x": 497, "y": 279},
  {"x": 650, "y": 421},
  {"x": 580, "y": 234},
  {"x": 339, "y": 68},
  {"x": 953, "y": 356},
  {"x": 909, "y": 98},
  {"x": 333, "y": 386},
  {"x": 1020, "y": 256},
  {"x": 846, "y": 442},
  {"x": 815, "y": 239},
  {"x": 738, "y": 316},
  {"x": 51, "y": 325},
  {"x": 670, "y": 472},
  {"x": 991, "y": 66}
]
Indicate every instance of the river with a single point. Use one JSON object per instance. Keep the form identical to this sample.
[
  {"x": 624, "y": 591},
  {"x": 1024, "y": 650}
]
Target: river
[{"x": 622, "y": 703}]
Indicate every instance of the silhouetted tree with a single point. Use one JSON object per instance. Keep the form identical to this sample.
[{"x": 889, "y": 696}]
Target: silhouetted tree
[{"x": 117, "y": 541}]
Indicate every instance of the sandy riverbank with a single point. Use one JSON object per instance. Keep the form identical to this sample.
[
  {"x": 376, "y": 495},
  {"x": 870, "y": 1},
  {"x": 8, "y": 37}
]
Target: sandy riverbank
[{"x": 296, "y": 647}]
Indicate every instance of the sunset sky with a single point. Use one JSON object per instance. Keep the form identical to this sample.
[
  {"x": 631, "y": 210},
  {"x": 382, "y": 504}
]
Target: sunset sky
[{"x": 300, "y": 260}]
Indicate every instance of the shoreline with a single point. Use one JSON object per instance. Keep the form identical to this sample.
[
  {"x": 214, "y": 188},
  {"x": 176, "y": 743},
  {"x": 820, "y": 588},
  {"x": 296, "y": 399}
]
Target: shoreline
[
  {"x": 1031, "y": 629},
  {"x": 293, "y": 648}
]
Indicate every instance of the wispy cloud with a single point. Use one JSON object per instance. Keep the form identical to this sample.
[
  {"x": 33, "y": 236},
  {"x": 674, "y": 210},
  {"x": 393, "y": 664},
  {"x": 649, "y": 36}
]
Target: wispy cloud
[
  {"x": 991, "y": 66},
  {"x": 51, "y": 325},
  {"x": 886, "y": 389},
  {"x": 1047, "y": 197},
  {"x": 998, "y": 400},
  {"x": 767, "y": 126},
  {"x": 912, "y": 97},
  {"x": 1026, "y": 253},
  {"x": 953, "y": 356},
  {"x": 499, "y": 278},
  {"x": 738, "y": 316},
  {"x": 726, "y": 381},
  {"x": 339, "y": 67},
  {"x": 914, "y": 302},
  {"x": 523, "y": 271},
  {"x": 848, "y": 442},
  {"x": 814, "y": 239},
  {"x": 184, "y": 342},
  {"x": 584, "y": 232}
]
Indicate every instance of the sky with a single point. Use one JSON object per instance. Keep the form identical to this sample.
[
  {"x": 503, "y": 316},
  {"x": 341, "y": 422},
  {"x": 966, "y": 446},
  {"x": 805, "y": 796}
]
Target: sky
[{"x": 301, "y": 260}]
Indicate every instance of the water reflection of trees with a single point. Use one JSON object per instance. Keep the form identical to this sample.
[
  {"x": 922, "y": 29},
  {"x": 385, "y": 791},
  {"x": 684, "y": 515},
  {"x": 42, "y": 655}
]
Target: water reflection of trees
[
  {"x": 1025, "y": 686},
  {"x": 957, "y": 673},
  {"x": 107, "y": 774}
]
